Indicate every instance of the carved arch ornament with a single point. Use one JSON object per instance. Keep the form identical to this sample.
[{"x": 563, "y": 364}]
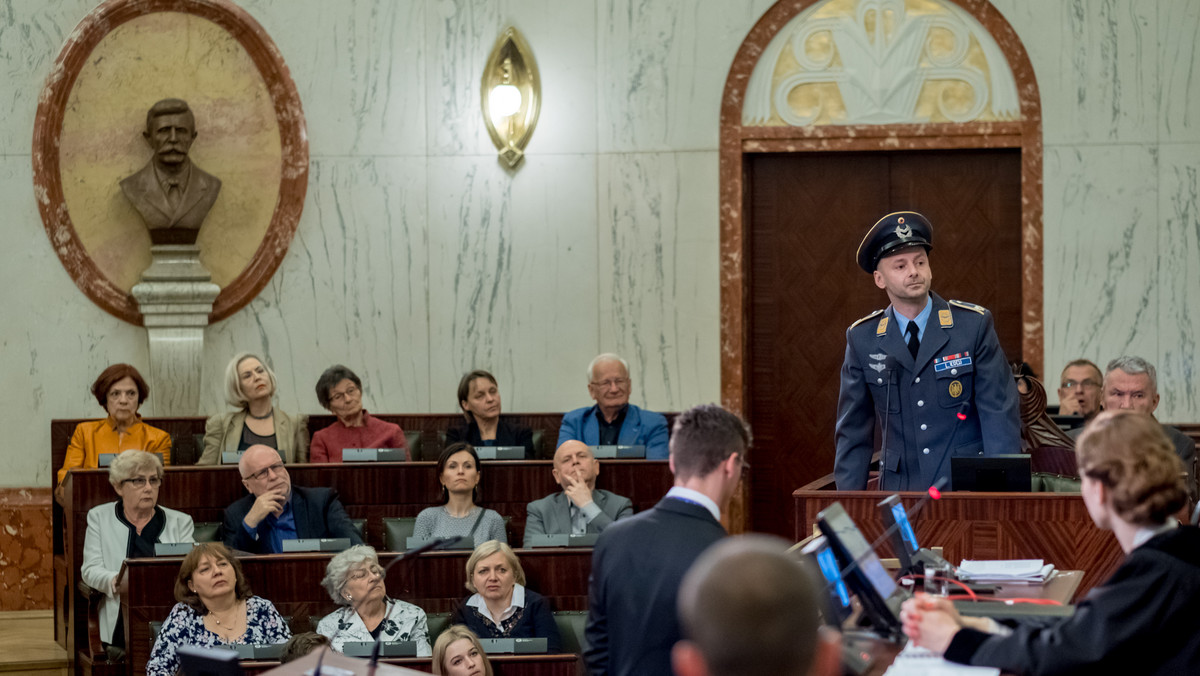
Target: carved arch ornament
[
  {"x": 874, "y": 75},
  {"x": 48, "y": 127}
]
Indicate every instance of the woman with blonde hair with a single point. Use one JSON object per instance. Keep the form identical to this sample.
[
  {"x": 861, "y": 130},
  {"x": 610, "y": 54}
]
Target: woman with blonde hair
[
  {"x": 250, "y": 388},
  {"x": 457, "y": 652},
  {"x": 500, "y": 605},
  {"x": 1143, "y": 619}
]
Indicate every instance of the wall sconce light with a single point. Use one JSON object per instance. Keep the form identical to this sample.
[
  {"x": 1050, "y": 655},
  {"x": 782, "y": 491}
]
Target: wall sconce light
[{"x": 512, "y": 96}]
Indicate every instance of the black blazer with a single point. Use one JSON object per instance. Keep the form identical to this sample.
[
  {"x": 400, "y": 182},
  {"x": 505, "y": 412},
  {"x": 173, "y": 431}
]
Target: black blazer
[
  {"x": 637, "y": 567},
  {"x": 536, "y": 621},
  {"x": 318, "y": 513},
  {"x": 507, "y": 434}
]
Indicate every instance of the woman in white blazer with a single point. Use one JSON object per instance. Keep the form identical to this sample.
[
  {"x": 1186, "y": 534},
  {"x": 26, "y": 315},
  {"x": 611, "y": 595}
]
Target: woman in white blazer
[{"x": 127, "y": 528}]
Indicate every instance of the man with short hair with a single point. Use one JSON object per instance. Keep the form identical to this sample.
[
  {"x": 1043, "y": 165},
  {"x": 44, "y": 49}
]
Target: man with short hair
[
  {"x": 579, "y": 508},
  {"x": 276, "y": 510},
  {"x": 613, "y": 420},
  {"x": 930, "y": 373},
  {"x": 1132, "y": 383},
  {"x": 1079, "y": 393},
  {"x": 747, "y": 608},
  {"x": 639, "y": 562}
]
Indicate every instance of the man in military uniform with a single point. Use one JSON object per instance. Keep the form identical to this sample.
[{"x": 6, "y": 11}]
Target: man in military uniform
[{"x": 931, "y": 371}]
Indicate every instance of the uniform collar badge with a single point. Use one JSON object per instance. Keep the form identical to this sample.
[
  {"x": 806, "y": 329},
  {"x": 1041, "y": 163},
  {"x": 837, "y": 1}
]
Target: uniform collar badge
[
  {"x": 882, "y": 328},
  {"x": 945, "y": 318}
]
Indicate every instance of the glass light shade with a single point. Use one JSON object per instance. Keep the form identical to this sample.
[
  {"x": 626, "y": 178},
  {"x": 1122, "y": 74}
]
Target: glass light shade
[{"x": 505, "y": 100}]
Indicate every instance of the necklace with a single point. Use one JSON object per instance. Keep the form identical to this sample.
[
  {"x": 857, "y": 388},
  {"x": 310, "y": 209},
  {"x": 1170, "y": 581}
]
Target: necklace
[
  {"x": 232, "y": 614},
  {"x": 261, "y": 417}
]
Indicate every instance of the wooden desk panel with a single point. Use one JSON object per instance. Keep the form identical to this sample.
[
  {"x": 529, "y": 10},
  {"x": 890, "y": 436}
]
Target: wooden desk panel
[
  {"x": 502, "y": 665},
  {"x": 434, "y": 582},
  {"x": 1050, "y": 526}
]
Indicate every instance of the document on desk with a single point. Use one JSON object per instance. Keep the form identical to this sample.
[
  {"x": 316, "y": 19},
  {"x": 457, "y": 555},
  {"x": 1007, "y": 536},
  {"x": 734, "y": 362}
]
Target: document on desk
[
  {"x": 1032, "y": 571},
  {"x": 914, "y": 661}
]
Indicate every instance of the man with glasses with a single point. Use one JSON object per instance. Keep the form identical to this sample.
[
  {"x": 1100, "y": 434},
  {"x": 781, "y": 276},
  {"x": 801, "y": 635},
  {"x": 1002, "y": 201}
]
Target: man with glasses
[
  {"x": 613, "y": 420},
  {"x": 276, "y": 510},
  {"x": 1079, "y": 394}
]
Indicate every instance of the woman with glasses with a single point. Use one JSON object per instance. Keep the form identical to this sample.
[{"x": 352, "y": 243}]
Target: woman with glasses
[
  {"x": 250, "y": 388},
  {"x": 339, "y": 390},
  {"x": 119, "y": 390},
  {"x": 479, "y": 399},
  {"x": 127, "y": 528},
  {"x": 354, "y": 580}
]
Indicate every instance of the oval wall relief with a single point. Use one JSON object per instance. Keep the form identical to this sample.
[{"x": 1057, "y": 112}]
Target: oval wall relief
[{"x": 121, "y": 59}]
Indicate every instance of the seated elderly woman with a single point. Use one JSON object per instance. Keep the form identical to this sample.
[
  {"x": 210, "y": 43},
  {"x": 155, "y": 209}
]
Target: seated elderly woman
[
  {"x": 250, "y": 388},
  {"x": 1143, "y": 619},
  {"x": 479, "y": 399},
  {"x": 458, "y": 515},
  {"x": 119, "y": 390},
  {"x": 127, "y": 528},
  {"x": 501, "y": 606},
  {"x": 354, "y": 579},
  {"x": 340, "y": 392},
  {"x": 216, "y": 608},
  {"x": 457, "y": 652}
]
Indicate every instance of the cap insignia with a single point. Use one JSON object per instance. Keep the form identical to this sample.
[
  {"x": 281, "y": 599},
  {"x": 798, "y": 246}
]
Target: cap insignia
[{"x": 903, "y": 231}]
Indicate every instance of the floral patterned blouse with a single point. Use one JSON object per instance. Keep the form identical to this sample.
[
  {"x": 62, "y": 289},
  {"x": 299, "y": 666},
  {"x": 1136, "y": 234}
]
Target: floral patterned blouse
[
  {"x": 402, "y": 622},
  {"x": 185, "y": 626}
]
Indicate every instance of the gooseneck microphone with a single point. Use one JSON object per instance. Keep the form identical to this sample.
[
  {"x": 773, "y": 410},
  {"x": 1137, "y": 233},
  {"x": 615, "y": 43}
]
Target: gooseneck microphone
[{"x": 889, "y": 364}]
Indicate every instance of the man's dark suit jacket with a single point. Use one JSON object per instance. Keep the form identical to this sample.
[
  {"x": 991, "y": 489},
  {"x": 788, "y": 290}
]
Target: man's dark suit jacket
[
  {"x": 318, "y": 514},
  {"x": 637, "y": 567}
]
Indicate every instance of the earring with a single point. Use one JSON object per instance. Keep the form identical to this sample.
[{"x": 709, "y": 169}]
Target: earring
[{"x": 349, "y": 597}]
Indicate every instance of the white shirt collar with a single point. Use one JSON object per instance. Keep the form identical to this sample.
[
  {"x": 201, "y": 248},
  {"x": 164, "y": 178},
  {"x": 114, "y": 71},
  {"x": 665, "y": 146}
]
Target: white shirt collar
[
  {"x": 518, "y": 601},
  {"x": 697, "y": 497},
  {"x": 1144, "y": 535}
]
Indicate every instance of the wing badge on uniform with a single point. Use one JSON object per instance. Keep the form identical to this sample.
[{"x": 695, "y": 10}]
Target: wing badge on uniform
[
  {"x": 878, "y": 367},
  {"x": 878, "y": 357}
]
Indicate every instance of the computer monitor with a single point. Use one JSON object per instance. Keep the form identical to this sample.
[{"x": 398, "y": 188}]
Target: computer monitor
[
  {"x": 835, "y": 606},
  {"x": 865, "y": 575},
  {"x": 992, "y": 473},
  {"x": 903, "y": 537}
]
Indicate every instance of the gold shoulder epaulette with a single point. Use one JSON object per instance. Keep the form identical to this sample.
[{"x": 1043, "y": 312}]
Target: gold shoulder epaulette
[
  {"x": 968, "y": 306},
  {"x": 873, "y": 314}
]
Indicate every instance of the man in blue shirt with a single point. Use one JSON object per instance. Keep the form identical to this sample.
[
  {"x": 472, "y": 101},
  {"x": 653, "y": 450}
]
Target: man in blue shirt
[
  {"x": 931, "y": 372},
  {"x": 276, "y": 510},
  {"x": 613, "y": 420}
]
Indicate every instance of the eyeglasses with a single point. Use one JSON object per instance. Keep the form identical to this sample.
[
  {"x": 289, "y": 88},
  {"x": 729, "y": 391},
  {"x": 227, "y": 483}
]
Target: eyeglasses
[
  {"x": 338, "y": 397},
  {"x": 277, "y": 468},
  {"x": 141, "y": 481},
  {"x": 611, "y": 383},
  {"x": 1086, "y": 384}
]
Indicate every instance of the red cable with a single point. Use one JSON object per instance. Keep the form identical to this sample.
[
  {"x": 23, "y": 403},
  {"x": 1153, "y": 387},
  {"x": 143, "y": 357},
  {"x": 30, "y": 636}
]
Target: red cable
[{"x": 971, "y": 594}]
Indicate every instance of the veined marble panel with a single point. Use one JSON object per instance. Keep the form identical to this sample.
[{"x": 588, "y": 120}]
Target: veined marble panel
[
  {"x": 352, "y": 290},
  {"x": 512, "y": 278},
  {"x": 662, "y": 69},
  {"x": 54, "y": 340},
  {"x": 31, "y": 35},
  {"x": 1096, "y": 65},
  {"x": 1179, "y": 70},
  {"x": 1102, "y": 248},
  {"x": 360, "y": 70},
  {"x": 562, "y": 36},
  {"x": 659, "y": 286},
  {"x": 1179, "y": 290}
]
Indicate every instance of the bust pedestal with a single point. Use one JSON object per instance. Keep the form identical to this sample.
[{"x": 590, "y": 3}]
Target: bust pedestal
[{"x": 175, "y": 297}]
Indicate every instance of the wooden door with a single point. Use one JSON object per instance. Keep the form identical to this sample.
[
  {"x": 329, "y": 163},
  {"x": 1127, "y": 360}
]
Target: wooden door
[{"x": 808, "y": 213}]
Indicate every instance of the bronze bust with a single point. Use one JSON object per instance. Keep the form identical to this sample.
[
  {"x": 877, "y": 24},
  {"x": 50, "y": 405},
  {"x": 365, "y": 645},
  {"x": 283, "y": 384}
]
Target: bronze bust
[{"x": 171, "y": 193}]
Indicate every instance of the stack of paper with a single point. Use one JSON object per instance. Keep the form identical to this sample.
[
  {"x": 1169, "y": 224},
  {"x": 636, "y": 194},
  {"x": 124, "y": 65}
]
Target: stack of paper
[
  {"x": 914, "y": 661},
  {"x": 1027, "y": 571}
]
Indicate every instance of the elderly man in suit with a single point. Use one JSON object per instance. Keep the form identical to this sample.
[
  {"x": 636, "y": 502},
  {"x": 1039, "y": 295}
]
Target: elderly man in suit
[
  {"x": 276, "y": 510},
  {"x": 613, "y": 420},
  {"x": 639, "y": 562},
  {"x": 580, "y": 507},
  {"x": 171, "y": 193}
]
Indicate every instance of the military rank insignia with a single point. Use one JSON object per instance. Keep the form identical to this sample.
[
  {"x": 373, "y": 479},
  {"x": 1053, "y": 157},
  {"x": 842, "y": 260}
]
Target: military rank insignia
[
  {"x": 952, "y": 361},
  {"x": 945, "y": 318},
  {"x": 882, "y": 328}
]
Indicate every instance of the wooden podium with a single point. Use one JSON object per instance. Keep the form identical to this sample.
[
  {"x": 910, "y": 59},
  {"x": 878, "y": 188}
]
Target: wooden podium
[{"x": 1050, "y": 526}]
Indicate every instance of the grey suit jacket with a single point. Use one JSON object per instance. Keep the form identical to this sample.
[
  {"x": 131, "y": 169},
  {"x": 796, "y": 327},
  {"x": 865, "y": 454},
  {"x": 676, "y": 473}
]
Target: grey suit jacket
[
  {"x": 223, "y": 432},
  {"x": 552, "y": 514}
]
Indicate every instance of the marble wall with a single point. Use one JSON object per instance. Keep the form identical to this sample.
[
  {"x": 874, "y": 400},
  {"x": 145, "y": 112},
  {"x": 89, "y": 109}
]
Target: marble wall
[{"x": 418, "y": 256}]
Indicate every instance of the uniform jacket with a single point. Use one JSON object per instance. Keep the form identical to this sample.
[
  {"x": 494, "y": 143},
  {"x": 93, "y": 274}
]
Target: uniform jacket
[
  {"x": 960, "y": 368},
  {"x": 104, "y": 549},
  {"x": 223, "y": 433},
  {"x": 552, "y": 514},
  {"x": 318, "y": 514},
  {"x": 637, "y": 567},
  {"x": 640, "y": 428}
]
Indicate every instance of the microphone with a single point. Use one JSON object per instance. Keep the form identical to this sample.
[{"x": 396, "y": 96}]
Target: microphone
[
  {"x": 889, "y": 364},
  {"x": 961, "y": 414},
  {"x": 436, "y": 543}
]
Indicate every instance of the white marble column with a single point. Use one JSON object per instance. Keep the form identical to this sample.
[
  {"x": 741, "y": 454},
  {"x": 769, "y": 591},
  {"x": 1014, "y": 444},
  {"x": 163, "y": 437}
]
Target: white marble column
[{"x": 175, "y": 296}]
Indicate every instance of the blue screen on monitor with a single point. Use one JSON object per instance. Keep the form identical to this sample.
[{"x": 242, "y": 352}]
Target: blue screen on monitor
[
  {"x": 906, "y": 529},
  {"x": 829, "y": 569}
]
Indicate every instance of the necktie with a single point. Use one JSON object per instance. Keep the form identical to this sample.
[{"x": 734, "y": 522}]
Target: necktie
[
  {"x": 913, "y": 343},
  {"x": 174, "y": 194}
]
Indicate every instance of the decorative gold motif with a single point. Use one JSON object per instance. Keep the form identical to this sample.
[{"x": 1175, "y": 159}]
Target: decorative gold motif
[
  {"x": 511, "y": 96},
  {"x": 956, "y": 388}
]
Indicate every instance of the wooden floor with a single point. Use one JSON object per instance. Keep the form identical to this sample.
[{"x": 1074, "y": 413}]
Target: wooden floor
[{"x": 27, "y": 644}]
